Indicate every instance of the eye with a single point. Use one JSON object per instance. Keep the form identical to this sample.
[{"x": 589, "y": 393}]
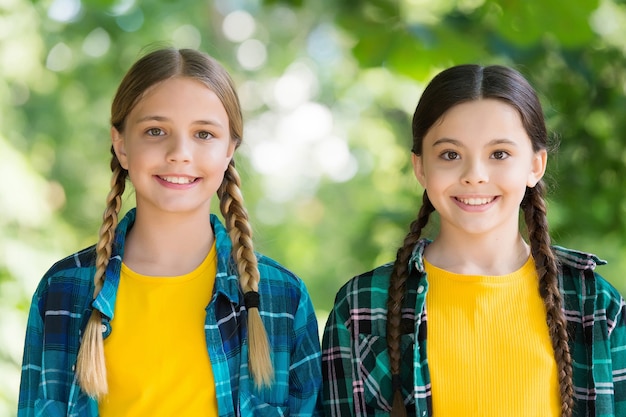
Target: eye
[
  {"x": 203, "y": 134},
  {"x": 500, "y": 155},
  {"x": 155, "y": 131},
  {"x": 450, "y": 155}
]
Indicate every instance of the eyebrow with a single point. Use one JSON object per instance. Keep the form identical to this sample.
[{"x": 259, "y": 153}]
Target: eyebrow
[
  {"x": 210, "y": 122},
  {"x": 460, "y": 144},
  {"x": 444, "y": 141}
]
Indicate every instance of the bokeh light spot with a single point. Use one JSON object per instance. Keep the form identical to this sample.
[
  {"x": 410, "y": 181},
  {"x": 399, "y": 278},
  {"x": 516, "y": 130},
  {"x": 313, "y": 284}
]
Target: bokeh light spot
[
  {"x": 59, "y": 57},
  {"x": 187, "y": 36},
  {"x": 97, "y": 43},
  {"x": 238, "y": 26},
  {"x": 252, "y": 54},
  {"x": 132, "y": 21},
  {"x": 64, "y": 10}
]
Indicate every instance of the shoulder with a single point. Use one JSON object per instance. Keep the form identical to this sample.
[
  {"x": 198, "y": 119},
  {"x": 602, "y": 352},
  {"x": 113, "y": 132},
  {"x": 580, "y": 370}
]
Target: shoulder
[
  {"x": 74, "y": 266},
  {"x": 367, "y": 289},
  {"x": 282, "y": 289},
  {"x": 580, "y": 279},
  {"x": 67, "y": 280},
  {"x": 579, "y": 265},
  {"x": 277, "y": 276}
]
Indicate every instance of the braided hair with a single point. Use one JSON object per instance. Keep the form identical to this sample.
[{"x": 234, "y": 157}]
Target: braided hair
[
  {"x": 454, "y": 86},
  {"x": 153, "y": 68}
]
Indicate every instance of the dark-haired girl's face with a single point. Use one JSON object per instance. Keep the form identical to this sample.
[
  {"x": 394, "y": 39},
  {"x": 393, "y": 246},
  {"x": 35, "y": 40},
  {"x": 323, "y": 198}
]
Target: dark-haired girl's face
[{"x": 476, "y": 163}]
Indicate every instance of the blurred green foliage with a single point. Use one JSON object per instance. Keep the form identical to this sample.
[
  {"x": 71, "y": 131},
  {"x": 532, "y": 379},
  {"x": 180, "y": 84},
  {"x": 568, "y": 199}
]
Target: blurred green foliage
[{"x": 328, "y": 89}]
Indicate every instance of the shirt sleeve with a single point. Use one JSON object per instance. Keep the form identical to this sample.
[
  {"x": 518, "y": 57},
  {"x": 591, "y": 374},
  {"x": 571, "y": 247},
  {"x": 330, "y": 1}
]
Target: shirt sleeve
[
  {"x": 618, "y": 360},
  {"x": 337, "y": 398},
  {"x": 305, "y": 375},
  {"x": 31, "y": 362}
]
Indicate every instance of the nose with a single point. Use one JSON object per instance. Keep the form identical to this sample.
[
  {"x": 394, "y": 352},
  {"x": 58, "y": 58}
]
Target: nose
[
  {"x": 179, "y": 148},
  {"x": 475, "y": 172}
]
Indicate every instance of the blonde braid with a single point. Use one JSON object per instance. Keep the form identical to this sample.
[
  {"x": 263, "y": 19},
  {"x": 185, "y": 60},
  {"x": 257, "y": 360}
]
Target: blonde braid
[
  {"x": 236, "y": 218},
  {"x": 547, "y": 269},
  {"x": 90, "y": 364}
]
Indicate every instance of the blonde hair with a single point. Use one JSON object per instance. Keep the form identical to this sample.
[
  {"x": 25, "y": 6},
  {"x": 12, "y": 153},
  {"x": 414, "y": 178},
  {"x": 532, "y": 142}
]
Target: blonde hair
[{"x": 151, "y": 69}]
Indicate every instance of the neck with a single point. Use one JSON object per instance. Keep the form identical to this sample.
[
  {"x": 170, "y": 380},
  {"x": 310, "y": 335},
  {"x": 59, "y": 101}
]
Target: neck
[
  {"x": 478, "y": 255},
  {"x": 170, "y": 245}
]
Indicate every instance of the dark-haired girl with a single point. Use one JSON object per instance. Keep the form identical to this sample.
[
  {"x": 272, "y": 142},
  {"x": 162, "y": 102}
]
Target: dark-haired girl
[{"x": 487, "y": 318}]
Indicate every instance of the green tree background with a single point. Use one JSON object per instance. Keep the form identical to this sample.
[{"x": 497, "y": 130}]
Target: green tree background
[{"x": 328, "y": 88}]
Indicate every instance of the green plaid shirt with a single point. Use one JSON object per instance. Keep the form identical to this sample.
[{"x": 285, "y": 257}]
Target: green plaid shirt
[
  {"x": 62, "y": 305},
  {"x": 355, "y": 362}
]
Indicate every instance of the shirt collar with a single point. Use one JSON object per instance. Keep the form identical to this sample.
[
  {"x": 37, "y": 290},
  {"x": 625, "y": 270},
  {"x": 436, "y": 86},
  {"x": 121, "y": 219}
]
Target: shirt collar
[
  {"x": 417, "y": 257},
  {"x": 105, "y": 301},
  {"x": 570, "y": 257},
  {"x": 577, "y": 259},
  {"x": 226, "y": 281}
]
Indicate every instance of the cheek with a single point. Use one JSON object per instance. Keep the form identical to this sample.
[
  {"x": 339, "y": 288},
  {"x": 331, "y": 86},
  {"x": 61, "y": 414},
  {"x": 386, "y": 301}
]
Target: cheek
[
  {"x": 440, "y": 178},
  {"x": 514, "y": 183},
  {"x": 517, "y": 174},
  {"x": 140, "y": 160}
]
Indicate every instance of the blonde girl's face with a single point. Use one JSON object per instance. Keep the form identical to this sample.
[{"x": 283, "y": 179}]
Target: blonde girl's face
[
  {"x": 476, "y": 163},
  {"x": 176, "y": 146}
]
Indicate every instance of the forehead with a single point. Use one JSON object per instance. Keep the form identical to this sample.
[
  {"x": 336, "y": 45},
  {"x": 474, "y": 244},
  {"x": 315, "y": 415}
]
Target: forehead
[
  {"x": 182, "y": 101},
  {"x": 176, "y": 87},
  {"x": 478, "y": 120}
]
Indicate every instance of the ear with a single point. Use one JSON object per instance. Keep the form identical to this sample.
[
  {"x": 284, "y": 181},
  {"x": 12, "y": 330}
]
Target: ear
[
  {"x": 117, "y": 140},
  {"x": 418, "y": 168},
  {"x": 538, "y": 167},
  {"x": 230, "y": 152},
  {"x": 232, "y": 146}
]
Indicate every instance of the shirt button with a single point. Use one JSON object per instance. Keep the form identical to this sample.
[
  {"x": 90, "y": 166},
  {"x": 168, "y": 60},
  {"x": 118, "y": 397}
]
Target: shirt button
[
  {"x": 103, "y": 328},
  {"x": 420, "y": 289}
]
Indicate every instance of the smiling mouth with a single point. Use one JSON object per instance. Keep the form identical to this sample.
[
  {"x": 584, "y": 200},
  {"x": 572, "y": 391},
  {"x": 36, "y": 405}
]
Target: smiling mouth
[
  {"x": 475, "y": 201},
  {"x": 179, "y": 180}
]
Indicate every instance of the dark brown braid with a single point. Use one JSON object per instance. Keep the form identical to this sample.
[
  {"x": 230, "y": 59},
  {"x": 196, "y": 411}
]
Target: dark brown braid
[
  {"x": 547, "y": 269},
  {"x": 236, "y": 219},
  {"x": 90, "y": 365},
  {"x": 397, "y": 285}
]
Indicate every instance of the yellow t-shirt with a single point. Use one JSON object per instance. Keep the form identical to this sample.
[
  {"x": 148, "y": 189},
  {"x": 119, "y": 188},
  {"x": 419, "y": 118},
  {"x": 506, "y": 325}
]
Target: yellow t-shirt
[
  {"x": 489, "y": 349},
  {"x": 156, "y": 355}
]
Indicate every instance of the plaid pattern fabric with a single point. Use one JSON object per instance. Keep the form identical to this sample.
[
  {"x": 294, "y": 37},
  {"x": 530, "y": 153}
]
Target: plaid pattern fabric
[
  {"x": 61, "y": 307},
  {"x": 355, "y": 361}
]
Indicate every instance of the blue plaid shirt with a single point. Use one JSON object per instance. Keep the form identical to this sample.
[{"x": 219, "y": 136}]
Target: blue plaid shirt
[{"x": 62, "y": 305}]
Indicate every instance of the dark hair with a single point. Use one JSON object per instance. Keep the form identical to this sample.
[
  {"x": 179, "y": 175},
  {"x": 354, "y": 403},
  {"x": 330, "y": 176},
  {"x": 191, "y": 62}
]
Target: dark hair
[
  {"x": 148, "y": 71},
  {"x": 453, "y": 86}
]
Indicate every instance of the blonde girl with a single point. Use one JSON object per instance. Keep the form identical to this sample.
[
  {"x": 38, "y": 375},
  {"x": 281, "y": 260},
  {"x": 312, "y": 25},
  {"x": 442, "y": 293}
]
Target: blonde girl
[{"x": 172, "y": 313}]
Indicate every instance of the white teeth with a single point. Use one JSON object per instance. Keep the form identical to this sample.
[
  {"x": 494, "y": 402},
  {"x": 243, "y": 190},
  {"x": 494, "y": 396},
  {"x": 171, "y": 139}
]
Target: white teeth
[
  {"x": 178, "y": 180},
  {"x": 475, "y": 201}
]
